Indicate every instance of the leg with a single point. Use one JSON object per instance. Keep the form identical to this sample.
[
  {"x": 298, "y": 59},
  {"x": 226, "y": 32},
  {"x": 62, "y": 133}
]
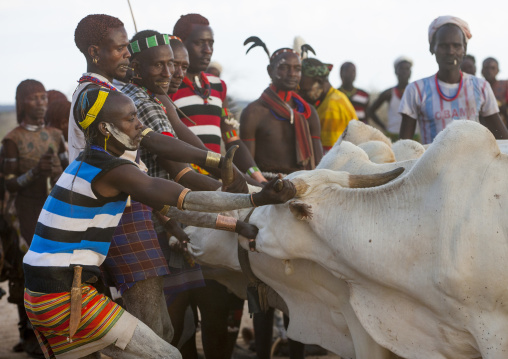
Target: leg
[
  {"x": 155, "y": 315},
  {"x": 176, "y": 312},
  {"x": 263, "y": 333},
  {"x": 212, "y": 304},
  {"x": 144, "y": 344},
  {"x": 296, "y": 349}
]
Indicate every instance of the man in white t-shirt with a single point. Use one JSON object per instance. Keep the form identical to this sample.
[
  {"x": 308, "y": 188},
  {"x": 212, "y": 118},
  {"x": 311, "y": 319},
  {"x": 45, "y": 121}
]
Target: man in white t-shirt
[{"x": 448, "y": 95}]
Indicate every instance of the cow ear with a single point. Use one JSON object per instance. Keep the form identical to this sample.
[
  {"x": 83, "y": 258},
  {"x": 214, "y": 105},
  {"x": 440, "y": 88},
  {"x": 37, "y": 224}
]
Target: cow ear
[{"x": 301, "y": 210}]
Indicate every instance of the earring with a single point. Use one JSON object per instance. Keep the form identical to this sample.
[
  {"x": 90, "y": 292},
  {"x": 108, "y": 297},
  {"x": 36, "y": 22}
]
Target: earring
[
  {"x": 106, "y": 142},
  {"x": 95, "y": 60}
]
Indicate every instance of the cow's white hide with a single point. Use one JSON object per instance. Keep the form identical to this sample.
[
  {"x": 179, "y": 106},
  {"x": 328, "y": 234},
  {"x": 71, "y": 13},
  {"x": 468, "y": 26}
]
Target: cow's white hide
[
  {"x": 405, "y": 150},
  {"x": 378, "y": 151},
  {"x": 425, "y": 256},
  {"x": 318, "y": 302},
  {"x": 358, "y": 132}
]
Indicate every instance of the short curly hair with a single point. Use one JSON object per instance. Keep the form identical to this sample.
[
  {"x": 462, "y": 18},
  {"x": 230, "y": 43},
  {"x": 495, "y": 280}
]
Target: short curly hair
[
  {"x": 183, "y": 27},
  {"x": 92, "y": 30}
]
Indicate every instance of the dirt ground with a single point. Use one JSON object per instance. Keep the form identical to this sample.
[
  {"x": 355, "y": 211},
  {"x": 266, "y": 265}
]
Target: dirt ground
[{"x": 9, "y": 333}]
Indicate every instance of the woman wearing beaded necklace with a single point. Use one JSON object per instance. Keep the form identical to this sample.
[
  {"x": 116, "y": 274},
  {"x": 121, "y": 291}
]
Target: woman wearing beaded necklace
[
  {"x": 31, "y": 166},
  {"x": 448, "y": 95}
]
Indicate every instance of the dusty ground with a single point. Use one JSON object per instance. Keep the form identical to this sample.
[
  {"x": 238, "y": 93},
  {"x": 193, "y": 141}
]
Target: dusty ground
[{"x": 9, "y": 332}]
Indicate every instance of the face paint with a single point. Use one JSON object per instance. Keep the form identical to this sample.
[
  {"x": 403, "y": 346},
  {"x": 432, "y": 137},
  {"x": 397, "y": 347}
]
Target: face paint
[{"x": 123, "y": 138}]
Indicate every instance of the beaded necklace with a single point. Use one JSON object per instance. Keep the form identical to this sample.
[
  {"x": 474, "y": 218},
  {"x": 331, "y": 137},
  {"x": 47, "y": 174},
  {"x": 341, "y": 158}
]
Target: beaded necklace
[
  {"x": 449, "y": 98},
  {"x": 31, "y": 128},
  {"x": 98, "y": 148},
  {"x": 152, "y": 96},
  {"x": 95, "y": 80},
  {"x": 207, "y": 88}
]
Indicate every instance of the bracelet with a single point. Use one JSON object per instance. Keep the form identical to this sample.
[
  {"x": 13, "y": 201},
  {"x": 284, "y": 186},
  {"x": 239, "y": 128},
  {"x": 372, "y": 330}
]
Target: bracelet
[
  {"x": 26, "y": 178},
  {"x": 252, "y": 200},
  {"x": 230, "y": 136},
  {"x": 252, "y": 170},
  {"x": 212, "y": 159},
  {"x": 225, "y": 223},
  {"x": 145, "y": 132},
  {"x": 164, "y": 211},
  {"x": 181, "y": 198},
  {"x": 182, "y": 173}
]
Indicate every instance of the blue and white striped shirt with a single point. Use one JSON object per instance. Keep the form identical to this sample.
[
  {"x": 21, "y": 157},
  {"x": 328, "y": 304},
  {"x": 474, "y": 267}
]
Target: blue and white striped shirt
[{"x": 75, "y": 226}]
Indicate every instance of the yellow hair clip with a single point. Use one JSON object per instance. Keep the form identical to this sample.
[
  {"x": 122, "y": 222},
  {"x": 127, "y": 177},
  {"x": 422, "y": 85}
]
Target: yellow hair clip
[{"x": 94, "y": 111}]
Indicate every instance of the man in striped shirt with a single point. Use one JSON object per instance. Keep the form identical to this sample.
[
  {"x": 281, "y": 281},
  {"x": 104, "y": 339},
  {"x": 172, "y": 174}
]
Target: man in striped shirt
[
  {"x": 203, "y": 97},
  {"x": 448, "y": 95}
]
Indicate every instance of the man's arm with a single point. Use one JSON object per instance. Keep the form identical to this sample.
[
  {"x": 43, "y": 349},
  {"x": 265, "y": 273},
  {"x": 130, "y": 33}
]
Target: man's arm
[
  {"x": 181, "y": 130},
  {"x": 495, "y": 125},
  {"x": 371, "y": 111},
  {"x": 190, "y": 179},
  {"x": 407, "y": 127},
  {"x": 315, "y": 132},
  {"x": 158, "y": 193},
  {"x": 244, "y": 158}
]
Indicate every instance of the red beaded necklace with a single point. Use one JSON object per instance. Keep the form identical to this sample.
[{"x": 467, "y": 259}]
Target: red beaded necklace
[
  {"x": 95, "y": 80},
  {"x": 207, "y": 88},
  {"x": 443, "y": 96}
]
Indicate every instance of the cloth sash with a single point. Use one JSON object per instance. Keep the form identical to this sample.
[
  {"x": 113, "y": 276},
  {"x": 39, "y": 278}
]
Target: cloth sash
[{"x": 304, "y": 149}]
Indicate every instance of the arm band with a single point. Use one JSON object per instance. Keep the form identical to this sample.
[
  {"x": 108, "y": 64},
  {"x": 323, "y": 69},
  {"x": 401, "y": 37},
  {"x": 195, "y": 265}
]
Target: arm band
[
  {"x": 230, "y": 136},
  {"x": 182, "y": 173},
  {"x": 26, "y": 178},
  {"x": 251, "y": 170},
  {"x": 225, "y": 223},
  {"x": 181, "y": 198}
]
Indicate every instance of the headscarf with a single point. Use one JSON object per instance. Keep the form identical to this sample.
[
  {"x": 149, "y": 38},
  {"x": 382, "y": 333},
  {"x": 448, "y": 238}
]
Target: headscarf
[
  {"x": 25, "y": 89},
  {"x": 443, "y": 20},
  {"x": 401, "y": 59}
]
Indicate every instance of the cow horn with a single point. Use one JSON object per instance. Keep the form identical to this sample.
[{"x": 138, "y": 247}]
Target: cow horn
[
  {"x": 378, "y": 179},
  {"x": 227, "y": 167}
]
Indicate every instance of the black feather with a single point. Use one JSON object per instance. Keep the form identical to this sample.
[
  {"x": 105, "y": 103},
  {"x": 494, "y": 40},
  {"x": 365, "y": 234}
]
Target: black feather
[
  {"x": 256, "y": 42},
  {"x": 306, "y": 48}
]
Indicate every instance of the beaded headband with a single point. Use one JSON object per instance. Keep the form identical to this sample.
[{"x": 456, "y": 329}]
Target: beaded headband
[
  {"x": 256, "y": 41},
  {"x": 151, "y": 41},
  {"x": 95, "y": 109}
]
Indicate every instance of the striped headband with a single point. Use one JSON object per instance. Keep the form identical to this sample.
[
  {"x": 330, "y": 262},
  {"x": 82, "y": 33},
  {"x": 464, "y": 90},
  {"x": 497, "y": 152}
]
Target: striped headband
[
  {"x": 151, "y": 41},
  {"x": 281, "y": 51}
]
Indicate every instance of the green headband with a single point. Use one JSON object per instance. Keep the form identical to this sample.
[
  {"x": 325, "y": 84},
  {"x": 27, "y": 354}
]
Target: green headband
[{"x": 151, "y": 41}]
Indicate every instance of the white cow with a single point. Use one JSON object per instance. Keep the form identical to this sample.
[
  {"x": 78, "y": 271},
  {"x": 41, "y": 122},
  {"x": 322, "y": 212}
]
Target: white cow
[
  {"x": 425, "y": 256},
  {"x": 317, "y": 302}
]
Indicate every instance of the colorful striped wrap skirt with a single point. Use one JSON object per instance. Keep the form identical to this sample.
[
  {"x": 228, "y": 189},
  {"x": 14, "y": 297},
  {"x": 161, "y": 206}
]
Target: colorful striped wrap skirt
[{"x": 103, "y": 322}]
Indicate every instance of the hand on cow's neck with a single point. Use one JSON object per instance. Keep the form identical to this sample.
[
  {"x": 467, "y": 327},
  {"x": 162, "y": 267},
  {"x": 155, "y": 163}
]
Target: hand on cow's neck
[{"x": 451, "y": 76}]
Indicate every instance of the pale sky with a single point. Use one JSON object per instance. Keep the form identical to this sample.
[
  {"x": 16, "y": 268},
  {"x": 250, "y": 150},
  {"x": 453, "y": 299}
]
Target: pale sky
[{"x": 37, "y": 37}]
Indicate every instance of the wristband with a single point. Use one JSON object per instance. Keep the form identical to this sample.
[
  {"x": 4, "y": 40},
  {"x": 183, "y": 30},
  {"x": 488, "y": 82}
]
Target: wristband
[
  {"x": 26, "y": 178},
  {"x": 252, "y": 170},
  {"x": 145, "y": 132},
  {"x": 252, "y": 200},
  {"x": 212, "y": 159},
  {"x": 181, "y": 198},
  {"x": 230, "y": 136},
  {"x": 164, "y": 210},
  {"x": 225, "y": 223}
]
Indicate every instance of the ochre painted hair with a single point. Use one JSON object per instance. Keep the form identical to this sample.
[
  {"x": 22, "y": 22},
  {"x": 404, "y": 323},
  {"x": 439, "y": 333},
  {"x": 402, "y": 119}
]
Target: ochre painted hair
[
  {"x": 183, "y": 26},
  {"x": 92, "y": 30}
]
